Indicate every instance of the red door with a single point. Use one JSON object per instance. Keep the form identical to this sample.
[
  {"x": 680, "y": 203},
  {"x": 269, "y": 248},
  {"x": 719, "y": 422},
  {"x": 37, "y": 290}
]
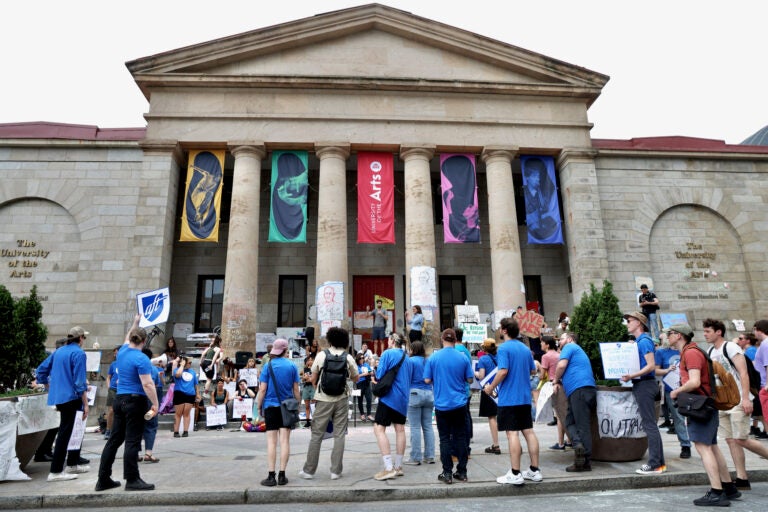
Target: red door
[{"x": 364, "y": 289}]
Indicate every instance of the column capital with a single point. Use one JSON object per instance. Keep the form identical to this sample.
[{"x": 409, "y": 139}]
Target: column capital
[
  {"x": 162, "y": 147},
  {"x": 568, "y": 155},
  {"x": 424, "y": 151},
  {"x": 250, "y": 148},
  {"x": 338, "y": 150},
  {"x": 494, "y": 152}
]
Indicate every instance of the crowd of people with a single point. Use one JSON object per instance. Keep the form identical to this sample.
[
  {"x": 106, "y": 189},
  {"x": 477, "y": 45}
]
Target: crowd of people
[{"x": 411, "y": 386}]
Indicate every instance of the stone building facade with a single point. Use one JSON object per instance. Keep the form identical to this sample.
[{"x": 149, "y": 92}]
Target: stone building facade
[{"x": 92, "y": 216}]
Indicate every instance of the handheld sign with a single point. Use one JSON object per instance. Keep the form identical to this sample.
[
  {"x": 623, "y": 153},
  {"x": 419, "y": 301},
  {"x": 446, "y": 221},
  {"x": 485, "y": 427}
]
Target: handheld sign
[
  {"x": 153, "y": 307},
  {"x": 619, "y": 358}
]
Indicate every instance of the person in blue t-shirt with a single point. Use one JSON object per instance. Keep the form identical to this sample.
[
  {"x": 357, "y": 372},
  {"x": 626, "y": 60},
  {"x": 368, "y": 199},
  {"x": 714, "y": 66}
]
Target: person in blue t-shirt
[
  {"x": 421, "y": 405},
  {"x": 668, "y": 359},
  {"x": 468, "y": 416},
  {"x": 574, "y": 376},
  {"x": 513, "y": 377},
  {"x": 134, "y": 386},
  {"x": 393, "y": 407},
  {"x": 644, "y": 388},
  {"x": 364, "y": 373},
  {"x": 186, "y": 394},
  {"x": 63, "y": 374},
  {"x": 111, "y": 391},
  {"x": 448, "y": 371},
  {"x": 279, "y": 380}
]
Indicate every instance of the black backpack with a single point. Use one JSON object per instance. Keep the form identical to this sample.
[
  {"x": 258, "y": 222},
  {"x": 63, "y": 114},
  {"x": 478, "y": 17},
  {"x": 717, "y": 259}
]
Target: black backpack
[
  {"x": 754, "y": 375},
  {"x": 333, "y": 377}
]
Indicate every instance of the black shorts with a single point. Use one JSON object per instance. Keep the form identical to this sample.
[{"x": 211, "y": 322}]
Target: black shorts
[
  {"x": 385, "y": 416},
  {"x": 112, "y": 393},
  {"x": 488, "y": 408},
  {"x": 515, "y": 418},
  {"x": 180, "y": 398},
  {"x": 273, "y": 418}
]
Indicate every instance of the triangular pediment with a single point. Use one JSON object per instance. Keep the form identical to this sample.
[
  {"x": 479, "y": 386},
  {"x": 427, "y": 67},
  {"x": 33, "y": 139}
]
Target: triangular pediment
[{"x": 370, "y": 44}]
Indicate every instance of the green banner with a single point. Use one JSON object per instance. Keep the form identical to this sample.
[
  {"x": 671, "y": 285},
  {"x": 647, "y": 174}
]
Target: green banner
[{"x": 290, "y": 184}]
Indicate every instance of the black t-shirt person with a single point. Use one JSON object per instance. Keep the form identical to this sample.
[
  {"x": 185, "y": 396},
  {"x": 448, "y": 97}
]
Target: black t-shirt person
[{"x": 648, "y": 296}]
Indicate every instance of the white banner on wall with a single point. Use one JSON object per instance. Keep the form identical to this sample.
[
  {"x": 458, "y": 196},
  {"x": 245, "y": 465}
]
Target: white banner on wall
[{"x": 617, "y": 415}]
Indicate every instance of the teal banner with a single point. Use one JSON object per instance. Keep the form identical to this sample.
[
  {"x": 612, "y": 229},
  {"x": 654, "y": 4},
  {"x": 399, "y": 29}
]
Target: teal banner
[{"x": 290, "y": 184}]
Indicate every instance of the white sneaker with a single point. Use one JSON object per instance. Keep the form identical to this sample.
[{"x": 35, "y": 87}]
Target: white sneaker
[
  {"x": 60, "y": 477},
  {"x": 334, "y": 476},
  {"x": 305, "y": 476},
  {"x": 78, "y": 469},
  {"x": 533, "y": 476},
  {"x": 385, "y": 474},
  {"x": 511, "y": 478}
]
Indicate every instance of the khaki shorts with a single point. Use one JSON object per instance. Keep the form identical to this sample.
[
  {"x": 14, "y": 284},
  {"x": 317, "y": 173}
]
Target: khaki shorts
[
  {"x": 734, "y": 424},
  {"x": 111, "y": 394}
]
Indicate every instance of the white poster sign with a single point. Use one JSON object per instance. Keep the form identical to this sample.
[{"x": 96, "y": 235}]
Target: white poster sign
[
  {"x": 92, "y": 360},
  {"x": 91, "y": 395},
  {"x": 78, "y": 432},
  {"x": 215, "y": 415},
  {"x": 672, "y": 379},
  {"x": 262, "y": 340},
  {"x": 251, "y": 376},
  {"x": 329, "y": 300},
  {"x": 474, "y": 333},
  {"x": 544, "y": 406},
  {"x": 35, "y": 414},
  {"x": 467, "y": 314},
  {"x": 423, "y": 288},
  {"x": 617, "y": 415},
  {"x": 9, "y": 463},
  {"x": 153, "y": 307},
  {"x": 242, "y": 407},
  {"x": 231, "y": 388},
  {"x": 327, "y": 324},
  {"x": 619, "y": 358}
]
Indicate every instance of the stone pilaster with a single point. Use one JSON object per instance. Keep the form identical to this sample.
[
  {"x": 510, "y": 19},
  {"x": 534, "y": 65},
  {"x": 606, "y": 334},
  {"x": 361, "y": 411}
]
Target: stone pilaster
[
  {"x": 239, "y": 322},
  {"x": 584, "y": 232},
  {"x": 332, "y": 219},
  {"x": 419, "y": 217},
  {"x": 506, "y": 259}
]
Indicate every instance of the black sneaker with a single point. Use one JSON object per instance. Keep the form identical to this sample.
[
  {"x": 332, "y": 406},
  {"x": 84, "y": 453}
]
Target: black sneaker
[
  {"x": 761, "y": 435},
  {"x": 139, "y": 485},
  {"x": 176, "y": 434},
  {"x": 712, "y": 500},
  {"x": 281, "y": 479},
  {"x": 103, "y": 484},
  {"x": 185, "y": 434},
  {"x": 269, "y": 481},
  {"x": 552, "y": 423},
  {"x": 685, "y": 452},
  {"x": 446, "y": 477},
  {"x": 742, "y": 485},
  {"x": 461, "y": 477},
  {"x": 83, "y": 461}
]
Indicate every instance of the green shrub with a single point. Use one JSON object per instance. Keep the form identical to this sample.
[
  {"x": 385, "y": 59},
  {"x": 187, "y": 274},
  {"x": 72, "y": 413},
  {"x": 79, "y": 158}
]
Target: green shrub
[
  {"x": 23, "y": 339},
  {"x": 598, "y": 319}
]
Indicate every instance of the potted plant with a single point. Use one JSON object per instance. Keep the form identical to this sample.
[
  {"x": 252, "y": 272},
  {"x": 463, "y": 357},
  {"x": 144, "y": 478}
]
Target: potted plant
[{"x": 23, "y": 350}]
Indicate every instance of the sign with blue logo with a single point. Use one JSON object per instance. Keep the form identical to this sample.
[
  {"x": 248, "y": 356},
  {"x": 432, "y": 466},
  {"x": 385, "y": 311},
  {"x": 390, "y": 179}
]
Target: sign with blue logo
[{"x": 153, "y": 307}]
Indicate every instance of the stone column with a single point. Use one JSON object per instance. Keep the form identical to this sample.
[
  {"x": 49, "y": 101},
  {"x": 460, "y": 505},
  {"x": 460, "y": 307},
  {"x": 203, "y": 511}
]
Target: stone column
[
  {"x": 419, "y": 217},
  {"x": 584, "y": 233},
  {"x": 506, "y": 259},
  {"x": 332, "y": 220},
  {"x": 239, "y": 321}
]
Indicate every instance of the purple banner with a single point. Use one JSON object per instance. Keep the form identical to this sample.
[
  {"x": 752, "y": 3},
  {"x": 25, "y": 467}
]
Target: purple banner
[
  {"x": 542, "y": 210},
  {"x": 461, "y": 220}
]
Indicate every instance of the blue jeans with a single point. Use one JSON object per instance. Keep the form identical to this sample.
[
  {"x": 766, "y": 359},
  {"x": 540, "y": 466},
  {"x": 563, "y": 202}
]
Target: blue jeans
[
  {"x": 680, "y": 429},
  {"x": 420, "y": 405},
  {"x": 451, "y": 427},
  {"x": 653, "y": 325},
  {"x": 645, "y": 395}
]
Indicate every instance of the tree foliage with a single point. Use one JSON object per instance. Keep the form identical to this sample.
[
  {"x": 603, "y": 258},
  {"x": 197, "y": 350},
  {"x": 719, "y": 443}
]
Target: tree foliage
[
  {"x": 598, "y": 319},
  {"x": 24, "y": 337}
]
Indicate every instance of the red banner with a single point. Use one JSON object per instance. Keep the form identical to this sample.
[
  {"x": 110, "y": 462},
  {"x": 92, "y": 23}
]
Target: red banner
[{"x": 375, "y": 198}]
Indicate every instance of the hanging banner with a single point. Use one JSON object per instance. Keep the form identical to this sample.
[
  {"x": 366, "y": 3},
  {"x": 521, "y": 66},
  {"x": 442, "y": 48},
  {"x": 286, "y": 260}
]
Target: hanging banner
[
  {"x": 423, "y": 288},
  {"x": 459, "y": 195},
  {"x": 375, "y": 198},
  {"x": 290, "y": 184},
  {"x": 329, "y": 299},
  {"x": 385, "y": 302},
  {"x": 202, "y": 200},
  {"x": 542, "y": 210}
]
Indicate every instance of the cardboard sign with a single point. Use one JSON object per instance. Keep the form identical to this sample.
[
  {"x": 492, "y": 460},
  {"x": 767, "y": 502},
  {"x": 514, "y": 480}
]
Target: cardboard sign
[
  {"x": 251, "y": 376},
  {"x": 78, "y": 432},
  {"x": 530, "y": 323}
]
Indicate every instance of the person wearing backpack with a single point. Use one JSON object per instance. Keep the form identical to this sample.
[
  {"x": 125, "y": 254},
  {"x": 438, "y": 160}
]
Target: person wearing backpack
[
  {"x": 734, "y": 423},
  {"x": 330, "y": 372},
  {"x": 696, "y": 379}
]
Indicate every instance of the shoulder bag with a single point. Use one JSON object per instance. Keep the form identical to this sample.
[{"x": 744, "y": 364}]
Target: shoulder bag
[{"x": 384, "y": 385}]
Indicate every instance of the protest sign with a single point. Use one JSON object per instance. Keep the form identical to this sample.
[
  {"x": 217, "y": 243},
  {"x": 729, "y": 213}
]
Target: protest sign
[{"x": 619, "y": 358}]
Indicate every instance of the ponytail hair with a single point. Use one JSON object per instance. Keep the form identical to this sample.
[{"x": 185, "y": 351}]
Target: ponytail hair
[{"x": 137, "y": 335}]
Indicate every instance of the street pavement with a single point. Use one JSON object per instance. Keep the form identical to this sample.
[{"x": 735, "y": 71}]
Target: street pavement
[{"x": 225, "y": 467}]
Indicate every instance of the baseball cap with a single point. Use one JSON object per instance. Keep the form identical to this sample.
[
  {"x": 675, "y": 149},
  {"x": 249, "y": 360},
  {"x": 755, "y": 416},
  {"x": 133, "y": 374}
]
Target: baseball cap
[
  {"x": 77, "y": 331},
  {"x": 278, "y": 347},
  {"x": 681, "y": 328},
  {"x": 449, "y": 335}
]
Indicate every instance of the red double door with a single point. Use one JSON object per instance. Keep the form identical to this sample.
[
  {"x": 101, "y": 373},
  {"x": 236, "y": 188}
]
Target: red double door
[{"x": 364, "y": 291}]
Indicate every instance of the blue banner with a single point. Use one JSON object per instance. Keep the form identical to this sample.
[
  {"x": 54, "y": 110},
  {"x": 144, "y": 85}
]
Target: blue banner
[{"x": 542, "y": 210}]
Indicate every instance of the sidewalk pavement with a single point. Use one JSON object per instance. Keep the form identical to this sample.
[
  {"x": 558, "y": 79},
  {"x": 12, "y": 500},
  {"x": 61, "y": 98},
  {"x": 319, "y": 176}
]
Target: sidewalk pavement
[{"x": 225, "y": 467}]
